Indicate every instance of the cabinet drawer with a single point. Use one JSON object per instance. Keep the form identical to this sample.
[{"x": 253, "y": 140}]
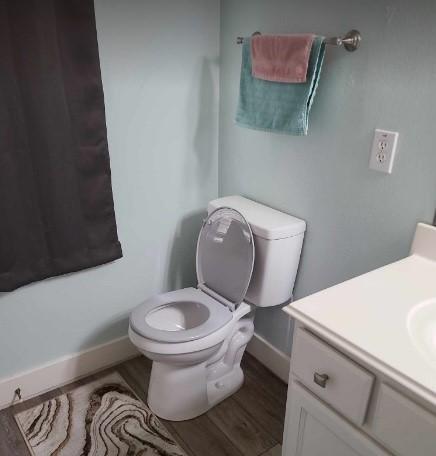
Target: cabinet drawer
[
  {"x": 404, "y": 426},
  {"x": 333, "y": 377}
]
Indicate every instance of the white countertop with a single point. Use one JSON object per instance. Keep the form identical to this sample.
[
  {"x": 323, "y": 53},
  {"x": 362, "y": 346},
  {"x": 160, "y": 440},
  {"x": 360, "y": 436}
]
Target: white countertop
[{"x": 368, "y": 317}]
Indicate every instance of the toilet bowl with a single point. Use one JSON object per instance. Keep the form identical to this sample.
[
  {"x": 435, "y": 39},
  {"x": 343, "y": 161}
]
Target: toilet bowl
[
  {"x": 186, "y": 334},
  {"x": 196, "y": 337}
]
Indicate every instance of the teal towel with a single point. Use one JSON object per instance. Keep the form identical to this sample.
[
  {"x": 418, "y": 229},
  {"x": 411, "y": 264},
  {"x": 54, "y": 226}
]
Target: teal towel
[{"x": 277, "y": 106}]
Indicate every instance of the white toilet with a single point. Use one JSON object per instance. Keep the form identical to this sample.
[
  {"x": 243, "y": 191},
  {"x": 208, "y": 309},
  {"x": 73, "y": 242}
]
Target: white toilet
[{"x": 247, "y": 257}]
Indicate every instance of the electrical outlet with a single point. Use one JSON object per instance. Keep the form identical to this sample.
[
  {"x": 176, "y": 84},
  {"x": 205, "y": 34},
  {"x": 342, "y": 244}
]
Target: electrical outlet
[{"x": 383, "y": 151}]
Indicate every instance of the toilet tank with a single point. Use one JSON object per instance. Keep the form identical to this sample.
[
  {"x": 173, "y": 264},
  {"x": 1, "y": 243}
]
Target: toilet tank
[{"x": 278, "y": 239}]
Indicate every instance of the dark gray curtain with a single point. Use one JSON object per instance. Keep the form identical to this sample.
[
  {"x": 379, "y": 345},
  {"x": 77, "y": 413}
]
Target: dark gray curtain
[{"x": 56, "y": 206}]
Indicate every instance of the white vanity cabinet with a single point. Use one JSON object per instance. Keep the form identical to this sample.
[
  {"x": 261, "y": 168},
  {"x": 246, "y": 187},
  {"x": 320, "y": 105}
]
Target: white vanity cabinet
[
  {"x": 339, "y": 405},
  {"x": 363, "y": 365}
]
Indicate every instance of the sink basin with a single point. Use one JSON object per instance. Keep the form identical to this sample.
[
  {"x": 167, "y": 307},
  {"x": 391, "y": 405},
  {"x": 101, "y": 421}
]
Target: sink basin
[{"x": 421, "y": 325}]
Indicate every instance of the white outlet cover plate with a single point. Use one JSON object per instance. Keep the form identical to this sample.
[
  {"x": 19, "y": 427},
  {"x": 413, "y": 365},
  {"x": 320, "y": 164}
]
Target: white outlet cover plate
[{"x": 384, "y": 147}]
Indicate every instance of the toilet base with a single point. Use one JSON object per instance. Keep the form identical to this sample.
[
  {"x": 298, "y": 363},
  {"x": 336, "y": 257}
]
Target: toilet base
[
  {"x": 181, "y": 393},
  {"x": 221, "y": 389}
]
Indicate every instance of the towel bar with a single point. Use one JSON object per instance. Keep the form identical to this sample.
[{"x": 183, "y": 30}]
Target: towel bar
[{"x": 350, "y": 40}]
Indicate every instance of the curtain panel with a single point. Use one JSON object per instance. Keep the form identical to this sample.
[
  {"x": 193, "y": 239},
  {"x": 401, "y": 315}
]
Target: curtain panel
[{"x": 56, "y": 205}]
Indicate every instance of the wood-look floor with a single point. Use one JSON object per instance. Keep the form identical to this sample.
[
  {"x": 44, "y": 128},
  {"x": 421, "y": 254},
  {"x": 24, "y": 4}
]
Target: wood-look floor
[{"x": 249, "y": 423}]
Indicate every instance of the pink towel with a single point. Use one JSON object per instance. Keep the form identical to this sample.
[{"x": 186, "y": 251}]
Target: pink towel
[{"x": 281, "y": 58}]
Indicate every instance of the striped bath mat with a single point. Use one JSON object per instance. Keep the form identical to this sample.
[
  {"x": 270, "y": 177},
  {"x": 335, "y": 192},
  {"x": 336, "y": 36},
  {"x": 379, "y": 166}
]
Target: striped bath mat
[{"x": 103, "y": 417}]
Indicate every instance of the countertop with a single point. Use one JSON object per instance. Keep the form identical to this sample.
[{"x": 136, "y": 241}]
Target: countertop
[{"x": 368, "y": 317}]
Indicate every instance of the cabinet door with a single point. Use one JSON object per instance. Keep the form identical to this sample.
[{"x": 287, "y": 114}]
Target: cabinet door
[{"x": 313, "y": 429}]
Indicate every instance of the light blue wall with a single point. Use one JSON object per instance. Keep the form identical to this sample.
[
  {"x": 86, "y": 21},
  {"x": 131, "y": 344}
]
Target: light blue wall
[
  {"x": 159, "y": 64},
  {"x": 160, "y": 73},
  {"x": 357, "y": 219}
]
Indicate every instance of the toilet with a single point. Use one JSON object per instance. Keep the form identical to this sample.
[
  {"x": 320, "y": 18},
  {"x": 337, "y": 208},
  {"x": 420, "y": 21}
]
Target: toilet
[{"x": 247, "y": 257}]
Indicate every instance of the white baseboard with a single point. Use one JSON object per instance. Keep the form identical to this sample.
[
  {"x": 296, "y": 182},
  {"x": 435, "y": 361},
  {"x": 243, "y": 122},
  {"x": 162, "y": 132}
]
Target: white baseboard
[
  {"x": 65, "y": 370},
  {"x": 271, "y": 357},
  {"x": 72, "y": 367}
]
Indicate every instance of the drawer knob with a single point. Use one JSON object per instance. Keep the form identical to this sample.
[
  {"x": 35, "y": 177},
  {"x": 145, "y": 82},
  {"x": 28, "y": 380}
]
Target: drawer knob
[{"x": 320, "y": 379}]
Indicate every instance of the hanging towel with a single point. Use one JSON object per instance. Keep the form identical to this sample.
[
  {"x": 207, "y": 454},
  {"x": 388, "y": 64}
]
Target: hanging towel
[
  {"x": 281, "y": 58},
  {"x": 277, "y": 106}
]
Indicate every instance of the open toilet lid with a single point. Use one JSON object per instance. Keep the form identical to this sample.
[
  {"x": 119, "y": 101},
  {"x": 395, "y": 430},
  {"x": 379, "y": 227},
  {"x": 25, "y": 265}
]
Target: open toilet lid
[{"x": 225, "y": 256}]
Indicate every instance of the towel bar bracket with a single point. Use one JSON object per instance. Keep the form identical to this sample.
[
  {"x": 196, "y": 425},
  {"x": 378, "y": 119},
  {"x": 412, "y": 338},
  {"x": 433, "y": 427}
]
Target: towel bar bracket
[{"x": 350, "y": 41}]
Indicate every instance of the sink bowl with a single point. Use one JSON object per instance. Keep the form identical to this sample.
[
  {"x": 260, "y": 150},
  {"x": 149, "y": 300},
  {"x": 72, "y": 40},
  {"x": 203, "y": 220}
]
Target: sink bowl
[{"x": 421, "y": 325}]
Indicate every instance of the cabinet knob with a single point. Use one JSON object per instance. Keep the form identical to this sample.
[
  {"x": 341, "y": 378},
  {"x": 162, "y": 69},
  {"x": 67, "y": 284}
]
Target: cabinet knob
[{"x": 320, "y": 379}]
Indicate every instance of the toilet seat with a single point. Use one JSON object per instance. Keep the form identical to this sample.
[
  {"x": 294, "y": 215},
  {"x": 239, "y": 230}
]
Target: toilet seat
[
  {"x": 213, "y": 316},
  {"x": 225, "y": 258}
]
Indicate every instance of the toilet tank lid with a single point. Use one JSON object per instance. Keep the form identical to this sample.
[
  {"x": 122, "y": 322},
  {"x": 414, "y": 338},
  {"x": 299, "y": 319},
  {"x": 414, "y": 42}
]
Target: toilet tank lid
[{"x": 264, "y": 221}]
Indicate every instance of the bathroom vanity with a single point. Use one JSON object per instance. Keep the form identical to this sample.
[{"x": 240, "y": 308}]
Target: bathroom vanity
[{"x": 363, "y": 366}]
